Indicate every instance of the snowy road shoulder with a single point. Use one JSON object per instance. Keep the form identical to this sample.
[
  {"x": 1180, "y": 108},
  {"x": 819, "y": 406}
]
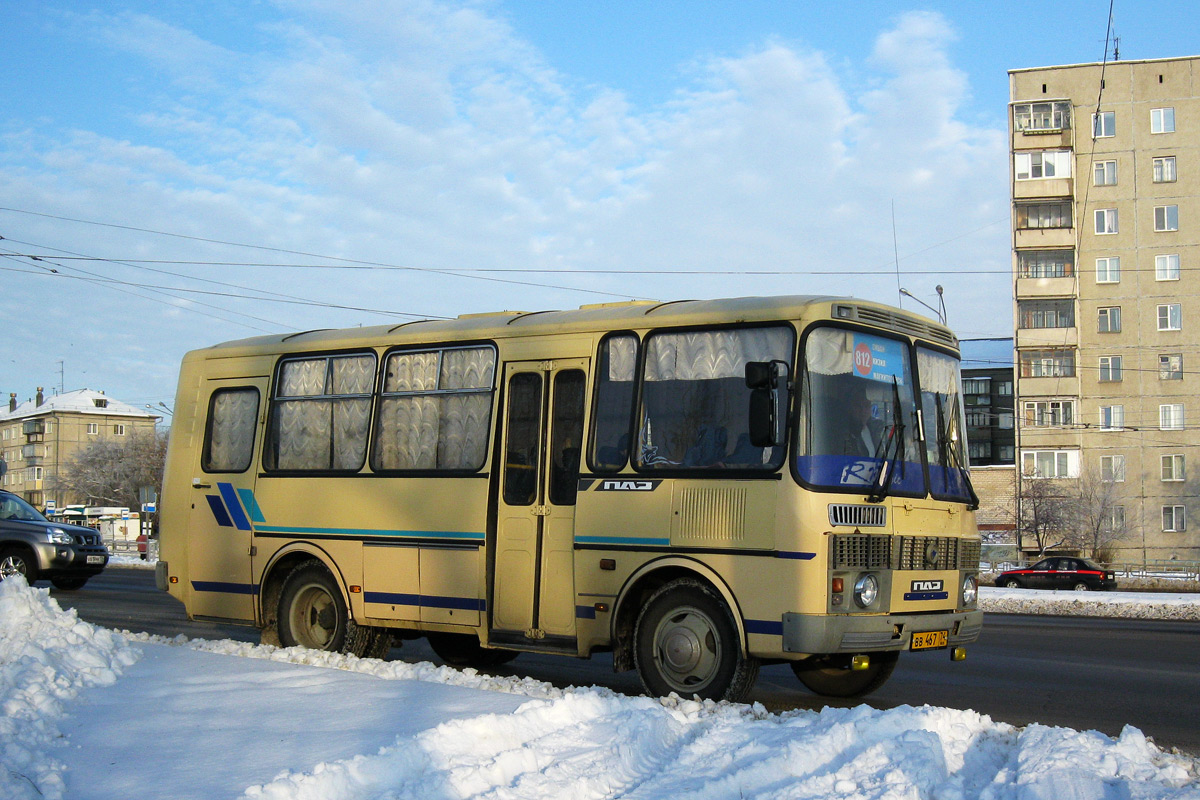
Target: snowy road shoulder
[{"x": 1129, "y": 605}]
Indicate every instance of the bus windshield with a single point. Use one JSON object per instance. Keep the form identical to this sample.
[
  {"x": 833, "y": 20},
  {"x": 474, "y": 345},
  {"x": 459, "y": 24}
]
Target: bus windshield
[
  {"x": 858, "y": 422},
  {"x": 945, "y": 436}
]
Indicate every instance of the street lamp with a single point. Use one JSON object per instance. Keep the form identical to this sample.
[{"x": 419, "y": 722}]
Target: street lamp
[{"x": 941, "y": 315}]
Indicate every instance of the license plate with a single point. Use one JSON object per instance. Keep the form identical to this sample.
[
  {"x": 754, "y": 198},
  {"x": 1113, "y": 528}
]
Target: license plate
[
  {"x": 930, "y": 640},
  {"x": 95, "y": 559}
]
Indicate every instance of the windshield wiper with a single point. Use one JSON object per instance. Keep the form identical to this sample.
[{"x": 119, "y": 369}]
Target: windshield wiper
[
  {"x": 894, "y": 440},
  {"x": 949, "y": 458}
]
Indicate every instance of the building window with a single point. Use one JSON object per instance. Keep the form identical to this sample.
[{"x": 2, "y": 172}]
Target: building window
[
  {"x": 1166, "y": 218},
  {"x": 1172, "y": 467},
  {"x": 976, "y": 385},
  {"x": 1112, "y": 469},
  {"x": 1105, "y": 173},
  {"x": 118, "y": 430},
  {"x": 1045, "y": 263},
  {"x": 93, "y": 428},
  {"x": 1042, "y": 164},
  {"x": 1170, "y": 317},
  {"x": 1170, "y": 367},
  {"x": 1032, "y": 216},
  {"x": 1008, "y": 453},
  {"x": 1050, "y": 463},
  {"x": 1114, "y": 520},
  {"x": 979, "y": 450},
  {"x": 1004, "y": 388},
  {"x": 1109, "y": 320},
  {"x": 1170, "y": 417},
  {"x": 978, "y": 418},
  {"x": 1049, "y": 413},
  {"x": 1104, "y": 124},
  {"x": 1110, "y": 368},
  {"x": 1174, "y": 518},
  {"x": 1162, "y": 120},
  {"x": 1048, "y": 364},
  {"x": 1106, "y": 220},
  {"x": 1108, "y": 270},
  {"x": 1164, "y": 169},
  {"x": 1053, "y": 116},
  {"x": 1166, "y": 268},
  {"x": 1046, "y": 313},
  {"x": 1112, "y": 418},
  {"x": 1004, "y": 420}
]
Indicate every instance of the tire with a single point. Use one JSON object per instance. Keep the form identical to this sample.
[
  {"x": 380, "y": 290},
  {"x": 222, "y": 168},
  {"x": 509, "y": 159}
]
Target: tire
[
  {"x": 18, "y": 561},
  {"x": 831, "y": 675},
  {"x": 1080, "y": 586},
  {"x": 686, "y": 642},
  {"x": 1011, "y": 583},
  {"x": 464, "y": 650},
  {"x": 312, "y": 614},
  {"x": 68, "y": 584}
]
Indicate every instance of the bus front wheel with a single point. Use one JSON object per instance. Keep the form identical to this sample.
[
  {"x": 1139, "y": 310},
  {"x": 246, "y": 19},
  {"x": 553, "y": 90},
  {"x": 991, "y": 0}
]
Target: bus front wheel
[
  {"x": 686, "y": 642},
  {"x": 832, "y": 676},
  {"x": 313, "y": 615}
]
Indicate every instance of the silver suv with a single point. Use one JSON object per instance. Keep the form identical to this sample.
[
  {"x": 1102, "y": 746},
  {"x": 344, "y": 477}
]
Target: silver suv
[{"x": 35, "y": 547}]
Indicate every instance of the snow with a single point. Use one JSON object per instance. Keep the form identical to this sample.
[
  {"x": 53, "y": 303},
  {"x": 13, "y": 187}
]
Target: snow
[{"x": 90, "y": 713}]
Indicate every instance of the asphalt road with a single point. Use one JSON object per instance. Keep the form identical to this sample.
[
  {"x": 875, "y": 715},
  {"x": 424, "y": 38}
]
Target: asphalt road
[{"x": 1073, "y": 672}]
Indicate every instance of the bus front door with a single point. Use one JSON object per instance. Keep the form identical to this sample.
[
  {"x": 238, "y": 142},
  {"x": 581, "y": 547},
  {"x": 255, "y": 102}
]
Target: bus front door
[{"x": 533, "y": 591}]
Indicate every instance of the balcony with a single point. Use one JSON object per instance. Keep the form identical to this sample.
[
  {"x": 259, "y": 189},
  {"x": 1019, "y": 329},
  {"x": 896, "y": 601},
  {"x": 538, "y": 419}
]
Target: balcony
[
  {"x": 1046, "y": 187},
  {"x": 1047, "y": 337},
  {"x": 1045, "y": 287},
  {"x": 1043, "y": 238},
  {"x": 1048, "y": 387}
]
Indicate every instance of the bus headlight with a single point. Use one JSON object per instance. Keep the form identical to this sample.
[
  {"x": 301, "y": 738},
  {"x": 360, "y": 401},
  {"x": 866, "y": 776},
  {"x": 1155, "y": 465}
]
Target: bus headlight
[
  {"x": 970, "y": 590},
  {"x": 866, "y": 590}
]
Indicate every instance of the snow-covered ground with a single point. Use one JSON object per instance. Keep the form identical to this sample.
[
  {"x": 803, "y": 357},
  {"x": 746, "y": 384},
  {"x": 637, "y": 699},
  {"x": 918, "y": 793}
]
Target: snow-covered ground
[{"x": 91, "y": 713}]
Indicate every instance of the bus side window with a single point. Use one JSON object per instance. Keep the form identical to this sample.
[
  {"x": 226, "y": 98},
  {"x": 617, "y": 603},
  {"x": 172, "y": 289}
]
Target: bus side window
[
  {"x": 567, "y": 432},
  {"x": 613, "y": 412},
  {"x": 229, "y": 438},
  {"x": 524, "y": 439}
]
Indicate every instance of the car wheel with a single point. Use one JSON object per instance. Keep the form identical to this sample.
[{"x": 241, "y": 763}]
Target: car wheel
[
  {"x": 686, "y": 642},
  {"x": 313, "y": 615},
  {"x": 1080, "y": 586},
  {"x": 18, "y": 561},
  {"x": 1011, "y": 583},
  {"x": 68, "y": 584},
  {"x": 832, "y": 676},
  {"x": 464, "y": 650}
]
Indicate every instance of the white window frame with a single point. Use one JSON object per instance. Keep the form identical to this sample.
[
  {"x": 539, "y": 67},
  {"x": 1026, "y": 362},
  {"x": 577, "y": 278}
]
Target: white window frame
[
  {"x": 93, "y": 428},
  {"x": 1174, "y": 519},
  {"x": 1108, "y": 319},
  {"x": 1104, "y": 173},
  {"x": 1166, "y": 267},
  {"x": 1171, "y": 468},
  {"x": 1106, "y": 221},
  {"x": 1108, "y": 269},
  {"x": 1166, "y": 218},
  {"x": 1111, "y": 366},
  {"x": 1170, "y": 317},
  {"x": 1162, "y": 120},
  {"x": 1052, "y": 413},
  {"x": 1112, "y": 469},
  {"x": 1170, "y": 417},
  {"x": 1063, "y": 463},
  {"x": 1104, "y": 124},
  {"x": 1034, "y": 165},
  {"x": 118, "y": 429},
  {"x": 1170, "y": 366},
  {"x": 1112, "y": 418},
  {"x": 1164, "y": 169},
  {"x": 1115, "y": 521}
]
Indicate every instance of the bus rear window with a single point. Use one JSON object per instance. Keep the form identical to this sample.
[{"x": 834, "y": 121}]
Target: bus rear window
[{"x": 229, "y": 439}]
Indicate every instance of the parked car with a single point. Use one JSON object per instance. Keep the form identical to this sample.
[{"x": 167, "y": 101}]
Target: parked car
[
  {"x": 1060, "y": 572},
  {"x": 33, "y": 546}
]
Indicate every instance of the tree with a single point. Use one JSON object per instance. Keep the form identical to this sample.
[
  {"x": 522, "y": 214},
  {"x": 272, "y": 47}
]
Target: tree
[
  {"x": 1044, "y": 512},
  {"x": 1081, "y": 514},
  {"x": 111, "y": 472},
  {"x": 1098, "y": 520}
]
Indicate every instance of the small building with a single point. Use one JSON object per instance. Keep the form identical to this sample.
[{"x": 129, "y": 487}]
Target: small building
[
  {"x": 39, "y": 436},
  {"x": 987, "y": 372}
]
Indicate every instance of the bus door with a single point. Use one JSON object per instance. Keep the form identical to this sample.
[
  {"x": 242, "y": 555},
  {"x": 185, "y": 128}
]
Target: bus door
[
  {"x": 223, "y": 508},
  {"x": 533, "y": 600}
]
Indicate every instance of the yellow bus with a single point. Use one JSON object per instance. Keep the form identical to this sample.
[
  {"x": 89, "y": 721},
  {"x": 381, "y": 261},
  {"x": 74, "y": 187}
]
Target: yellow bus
[{"x": 699, "y": 487}]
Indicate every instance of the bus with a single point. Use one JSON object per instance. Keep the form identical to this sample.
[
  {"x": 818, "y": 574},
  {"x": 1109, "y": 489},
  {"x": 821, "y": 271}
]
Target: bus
[{"x": 698, "y": 487}]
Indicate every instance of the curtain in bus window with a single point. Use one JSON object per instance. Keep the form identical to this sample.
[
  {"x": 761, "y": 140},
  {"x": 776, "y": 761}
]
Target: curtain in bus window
[
  {"x": 322, "y": 411},
  {"x": 302, "y": 378},
  {"x": 231, "y": 423},
  {"x": 695, "y": 403},
  {"x": 302, "y": 429},
  {"x": 617, "y": 358}
]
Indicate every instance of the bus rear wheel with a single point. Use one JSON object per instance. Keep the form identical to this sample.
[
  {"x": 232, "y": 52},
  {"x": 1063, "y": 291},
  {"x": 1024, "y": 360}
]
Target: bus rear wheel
[
  {"x": 686, "y": 642},
  {"x": 312, "y": 614},
  {"x": 832, "y": 676},
  {"x": 464, "y": 650}
]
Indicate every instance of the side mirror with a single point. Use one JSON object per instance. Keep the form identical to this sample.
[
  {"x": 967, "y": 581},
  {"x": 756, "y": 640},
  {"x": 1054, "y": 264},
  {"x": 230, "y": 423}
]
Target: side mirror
[{"x": 768, "y": 384}]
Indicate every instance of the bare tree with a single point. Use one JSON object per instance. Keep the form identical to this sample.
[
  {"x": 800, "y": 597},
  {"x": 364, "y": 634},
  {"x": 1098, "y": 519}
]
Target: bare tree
[
  {"x": 1098, "y": 522},
  {"x": 1081, "y": 514},
  {"x": 111, "y": 472},
  {"x": 1045, "y": 512}
]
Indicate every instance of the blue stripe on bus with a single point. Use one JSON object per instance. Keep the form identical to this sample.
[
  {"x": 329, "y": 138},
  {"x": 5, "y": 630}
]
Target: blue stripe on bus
[
  {"x": 926, "y": 595},
  {"x": 251, "y": 505},
  {"x": 470, "y": 535},
  {"x": 218, "y": 510},
  {"x": 426, "y": 601},
  {"x": 620, "y": 540},
  {"x": 764, "y": 626},
  {"x": 585, "y": 612},
  {"x": 234, "y": 505},
  {"x": 224, "y": 588},
  {"x": 790, "y": 554}
]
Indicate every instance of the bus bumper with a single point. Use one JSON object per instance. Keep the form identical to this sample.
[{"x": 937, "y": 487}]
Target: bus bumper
[{"x": 844, "y": 633}]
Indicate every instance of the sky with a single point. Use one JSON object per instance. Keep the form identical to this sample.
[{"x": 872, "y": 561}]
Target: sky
[
  {"x": 173, "y": 175},
  {"x": 96, "y": 714}
]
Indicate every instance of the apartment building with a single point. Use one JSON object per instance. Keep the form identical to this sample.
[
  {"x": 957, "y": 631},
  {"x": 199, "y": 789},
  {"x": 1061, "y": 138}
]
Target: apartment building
[
  {"x": 1105, "y": 187},
  {"x": 38, "y": 436}
]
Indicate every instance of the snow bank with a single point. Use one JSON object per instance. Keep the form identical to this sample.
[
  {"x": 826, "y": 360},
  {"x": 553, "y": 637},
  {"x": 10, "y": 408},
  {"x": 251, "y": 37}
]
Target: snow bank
[{"x": 1130, "y": 605}]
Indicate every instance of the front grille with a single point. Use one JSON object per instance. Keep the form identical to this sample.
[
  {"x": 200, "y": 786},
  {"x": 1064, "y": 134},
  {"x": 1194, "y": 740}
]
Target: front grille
[
  {"x": 857, "y": 516},
  {"x": 878, "y": 551}
]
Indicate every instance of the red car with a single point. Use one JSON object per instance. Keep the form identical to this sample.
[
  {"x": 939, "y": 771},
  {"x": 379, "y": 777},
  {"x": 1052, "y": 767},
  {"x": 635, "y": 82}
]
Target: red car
[{"x": 1060, "y": 572}]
